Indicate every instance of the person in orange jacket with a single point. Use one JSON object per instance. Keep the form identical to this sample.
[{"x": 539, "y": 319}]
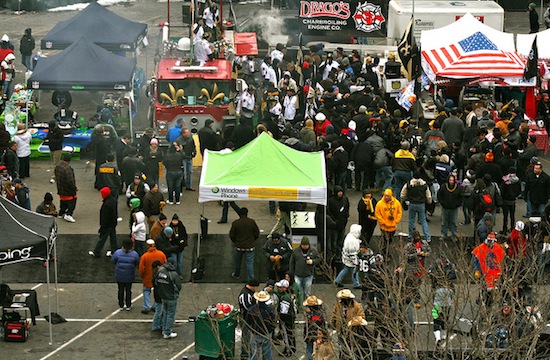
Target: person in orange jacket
[
  {"x": 487, "y": 261},
  {"x": 146, "y": 273},
  {"x": 388, "y": 212}
]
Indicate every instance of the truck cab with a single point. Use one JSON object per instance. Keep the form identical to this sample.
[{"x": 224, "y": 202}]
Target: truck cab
[{"x": 194, "y": 93}]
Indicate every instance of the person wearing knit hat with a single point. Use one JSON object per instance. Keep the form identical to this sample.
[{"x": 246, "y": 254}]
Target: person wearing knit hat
[
  {"x": 388, "y": 212},
  {"x": 66, "y": 185},
  {"x": 403, "y": 165},
  {"x": 534, "y": 25},
  {"x": 164, "y": 243},
  {"x": 487, "y": 258},
  {"x": 179, "y": 240},
  {"x": 302, "y": 264},
  {"x": 47, "y": 207},
  {"x": 152, "y": 158},
  {"x": 450, "y": 198},
  {"x": 321, "y": 124},
  {"x": 518, "y": 242},
  {"x": 105, "y": 191},
  {"x": 158, "y": 226},
  {"x": 108, "y": 220}
]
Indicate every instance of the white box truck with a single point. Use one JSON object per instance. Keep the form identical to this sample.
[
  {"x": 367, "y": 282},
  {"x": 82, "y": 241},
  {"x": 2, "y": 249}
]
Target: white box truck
[{"x": 433, "y": 14}]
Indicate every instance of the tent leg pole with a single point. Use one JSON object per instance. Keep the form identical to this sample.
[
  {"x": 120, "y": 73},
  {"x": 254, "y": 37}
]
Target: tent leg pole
[
  {"x": 325, "y": 235},
  {"x": 130, "y": 102},
  {"x": 49, "y": 297},
  {"x": 200, "y": 232},
  {"x": 55, "y": 277}
]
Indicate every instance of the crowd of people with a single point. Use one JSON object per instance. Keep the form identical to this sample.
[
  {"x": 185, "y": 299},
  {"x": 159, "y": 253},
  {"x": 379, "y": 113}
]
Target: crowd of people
[{"x": 461, "y": 163}]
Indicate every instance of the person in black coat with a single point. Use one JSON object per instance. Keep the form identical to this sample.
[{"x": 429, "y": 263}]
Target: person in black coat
[
  {"x": 242, "y": 134},
  {"x": 367, "y": 220},
  {"x": 525, "y": 157},
  {"x": 490, "y": 167},
  {"x": 4, "y": 138},
  {"x": 338, "y": 211},
  {"x": 54, "y": 140},
  {"x": 179, "y": 240},
  {"x": 131, "y": 165},
  {"x": 164, "y": 242},
  {"x": 108, "y": 220},
  {"x": 338, "y": 164},
  {"x": 11, "y": 161},
  {"x": 533, "y": 19},
  {"x": 208, "y": 139},
  {"x": 363, "y": 156},
  {"x": 537, "y": 190}
]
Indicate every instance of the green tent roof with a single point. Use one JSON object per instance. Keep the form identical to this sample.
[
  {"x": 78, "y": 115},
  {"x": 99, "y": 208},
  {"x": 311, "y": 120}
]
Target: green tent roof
[{"x": 264, "y": 162}]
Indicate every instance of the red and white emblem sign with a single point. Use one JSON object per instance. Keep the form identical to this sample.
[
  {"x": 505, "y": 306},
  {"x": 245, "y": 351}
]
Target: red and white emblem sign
[{"x": 368, "y": 17}]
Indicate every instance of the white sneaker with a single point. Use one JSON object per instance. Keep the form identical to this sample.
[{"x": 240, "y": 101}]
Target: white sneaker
[
  {"x": 128, "y": 308},
  {"x": 52, "y": 181},
  {"x": 178, "y": 202},
  {"x": 108, "y": 253},
  {"x": 170, "y": 336},
  {"x": 69, "y": 218},
  {"x": 169, "y": 202}
]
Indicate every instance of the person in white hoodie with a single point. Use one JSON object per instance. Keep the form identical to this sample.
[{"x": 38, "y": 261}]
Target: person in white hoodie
[
  {"x": 350, "y": 249},
  {"x": 139, "y": 232},
  {"x": 23, "y": 140}
]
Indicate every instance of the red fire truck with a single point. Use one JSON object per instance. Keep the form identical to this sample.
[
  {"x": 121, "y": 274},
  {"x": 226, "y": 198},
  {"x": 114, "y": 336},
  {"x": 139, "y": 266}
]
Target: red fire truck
[{"x": 194, "y": 93}]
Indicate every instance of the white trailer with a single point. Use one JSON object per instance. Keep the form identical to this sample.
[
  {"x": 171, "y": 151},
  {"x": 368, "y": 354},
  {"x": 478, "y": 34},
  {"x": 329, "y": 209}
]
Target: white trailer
[{"x": 433, "y": 14}]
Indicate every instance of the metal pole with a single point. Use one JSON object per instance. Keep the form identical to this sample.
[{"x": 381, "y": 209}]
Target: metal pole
[
  {"x": 325, "y": 235},
  {"x": 541, "y": 17},
  {"x": 168, "y": 16},
  {"x": 55, "y": 277},
  {"x": 49, "y": 297},
  {"x": 200, "y": 232}
]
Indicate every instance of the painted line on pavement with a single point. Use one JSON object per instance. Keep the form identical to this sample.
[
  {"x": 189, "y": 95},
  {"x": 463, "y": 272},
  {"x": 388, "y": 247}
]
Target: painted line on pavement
[
  {"x": 36, "y": 286},
  {"x": 116, "y": 320},
  {"x": 87, "y": 330},
  {"x": 182, "y": 352}
]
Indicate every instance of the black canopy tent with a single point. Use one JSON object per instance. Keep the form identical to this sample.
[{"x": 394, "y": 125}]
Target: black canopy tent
[
  {"x": 98, "y": 24},
  {"x": 27, "y": 236},
  {"x": 84, "y": 66}
]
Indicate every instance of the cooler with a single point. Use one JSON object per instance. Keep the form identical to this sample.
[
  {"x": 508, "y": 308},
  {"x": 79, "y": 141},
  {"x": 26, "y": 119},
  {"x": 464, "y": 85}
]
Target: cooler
[{"x": 215, "y": 338}]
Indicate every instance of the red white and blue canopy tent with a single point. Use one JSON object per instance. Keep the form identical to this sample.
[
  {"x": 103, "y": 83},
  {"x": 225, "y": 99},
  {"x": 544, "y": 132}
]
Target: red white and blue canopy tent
[{"x": 470, "y": 50}]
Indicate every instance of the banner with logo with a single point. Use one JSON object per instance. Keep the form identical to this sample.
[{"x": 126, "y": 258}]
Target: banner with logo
[
  {"x": 24, "y": 235},
  {"x": 356, "y": 18},
  {"x": 235, "y": 193}
]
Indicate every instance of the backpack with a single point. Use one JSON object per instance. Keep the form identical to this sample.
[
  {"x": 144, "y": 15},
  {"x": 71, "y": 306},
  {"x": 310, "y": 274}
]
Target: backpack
[{"x": 487, "y": 201}]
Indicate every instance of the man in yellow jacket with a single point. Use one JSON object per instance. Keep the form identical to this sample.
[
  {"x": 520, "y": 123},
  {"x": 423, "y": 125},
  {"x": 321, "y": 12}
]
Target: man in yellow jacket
[{"x": 388, "y": 212}]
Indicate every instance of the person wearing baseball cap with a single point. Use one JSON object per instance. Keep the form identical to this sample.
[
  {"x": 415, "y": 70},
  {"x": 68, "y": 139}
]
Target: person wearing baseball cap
[{"x": 146, "y": 274}]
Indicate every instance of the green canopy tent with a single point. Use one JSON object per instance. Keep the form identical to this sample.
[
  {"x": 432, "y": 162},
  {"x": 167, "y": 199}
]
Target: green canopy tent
[{"x": 263, "y": 170}]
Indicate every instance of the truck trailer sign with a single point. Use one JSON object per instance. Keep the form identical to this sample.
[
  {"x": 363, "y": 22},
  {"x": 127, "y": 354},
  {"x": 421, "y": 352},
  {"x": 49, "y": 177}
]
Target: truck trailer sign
[{"x": 354, "y": 17}]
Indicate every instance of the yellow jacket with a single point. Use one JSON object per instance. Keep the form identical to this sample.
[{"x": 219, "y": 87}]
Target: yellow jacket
[{"x": 385, "y": 211}]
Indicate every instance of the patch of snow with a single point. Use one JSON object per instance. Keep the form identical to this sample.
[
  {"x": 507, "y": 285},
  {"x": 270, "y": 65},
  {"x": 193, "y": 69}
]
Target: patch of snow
[{"x": 82, "y": 6}]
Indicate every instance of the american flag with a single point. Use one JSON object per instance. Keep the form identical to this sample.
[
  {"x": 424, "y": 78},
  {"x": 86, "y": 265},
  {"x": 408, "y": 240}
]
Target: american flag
[{"x": 474, "y": 56}]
